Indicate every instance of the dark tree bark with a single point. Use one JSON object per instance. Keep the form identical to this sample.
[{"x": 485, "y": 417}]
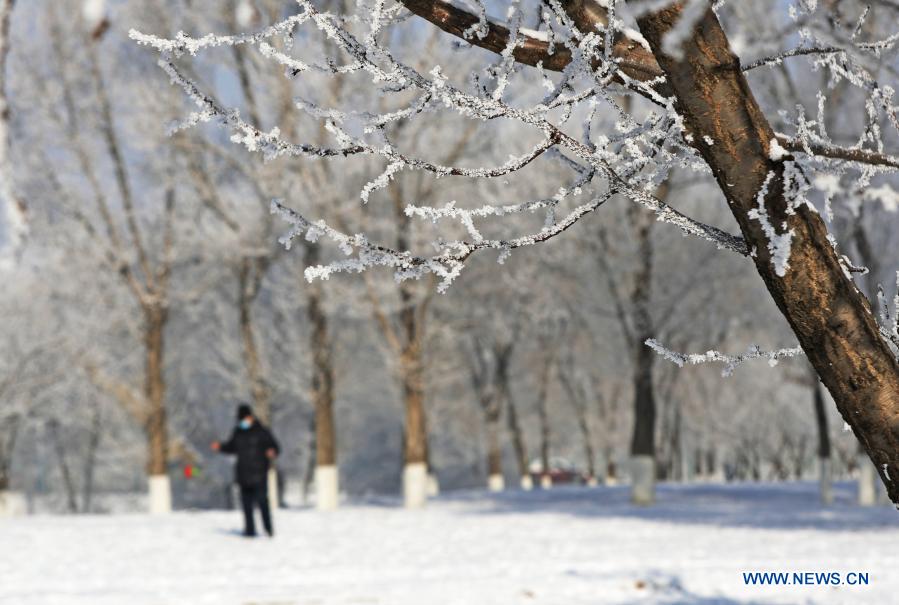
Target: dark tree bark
[{"x": 830, "y": 317}]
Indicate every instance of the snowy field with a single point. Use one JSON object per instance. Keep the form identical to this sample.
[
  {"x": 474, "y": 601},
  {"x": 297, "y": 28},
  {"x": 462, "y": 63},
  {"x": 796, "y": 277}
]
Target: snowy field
[{"x": 567, "y": 546}]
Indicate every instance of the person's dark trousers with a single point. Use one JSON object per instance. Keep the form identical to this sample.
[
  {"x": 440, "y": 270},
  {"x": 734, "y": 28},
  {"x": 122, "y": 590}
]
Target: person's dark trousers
[{"x": 252, "y": 496}]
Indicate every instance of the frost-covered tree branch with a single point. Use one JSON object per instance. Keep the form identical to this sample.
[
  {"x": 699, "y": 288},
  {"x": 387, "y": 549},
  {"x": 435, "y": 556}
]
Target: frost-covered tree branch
[{"x": 730, "y": 361}]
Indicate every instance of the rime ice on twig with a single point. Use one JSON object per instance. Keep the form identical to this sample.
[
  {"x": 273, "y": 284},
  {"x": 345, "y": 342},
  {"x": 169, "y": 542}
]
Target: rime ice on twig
[
  {"x": 730, "y": 361},
  {"x": 778, "y": 243}
]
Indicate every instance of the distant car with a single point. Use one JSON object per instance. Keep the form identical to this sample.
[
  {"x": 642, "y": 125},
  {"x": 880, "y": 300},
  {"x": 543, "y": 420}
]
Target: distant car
[{"x": 561, "y": 472}]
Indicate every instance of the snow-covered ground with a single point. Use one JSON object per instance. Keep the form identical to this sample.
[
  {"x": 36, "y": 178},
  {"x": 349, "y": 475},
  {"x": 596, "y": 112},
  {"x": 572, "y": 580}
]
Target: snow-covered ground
[{"x": 567, "y": 546}]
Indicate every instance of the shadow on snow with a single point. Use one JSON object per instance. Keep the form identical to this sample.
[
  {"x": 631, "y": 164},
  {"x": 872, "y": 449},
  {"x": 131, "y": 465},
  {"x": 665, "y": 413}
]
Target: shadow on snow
[{"x": 756, "y": 505}]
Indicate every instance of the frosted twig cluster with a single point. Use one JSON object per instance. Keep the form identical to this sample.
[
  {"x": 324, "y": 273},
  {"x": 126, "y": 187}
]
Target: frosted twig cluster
[{"x": 632, "y": 161}]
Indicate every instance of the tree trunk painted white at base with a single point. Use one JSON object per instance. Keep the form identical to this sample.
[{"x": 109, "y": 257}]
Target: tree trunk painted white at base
[
  {"x": 643, "y": 480},
  {"x": 610, "y": 480},
  {"x": 825, "y": 480},
  {"x": 867, "y": 481},
  {"x": 160, "y": 496},
  {"x": 592, "y": 482},
  {"x": 12, "y": 504},
  {"x": 433, "y": 486},
  {"x": 496, "y": 483},
  {"x": 273, "y": 494},
  {"x": 327, "y": 487},
  {"x": 415, "y": 485},
  {"x": 527, "y": 484},
  {"x": 546, "y": 482}
]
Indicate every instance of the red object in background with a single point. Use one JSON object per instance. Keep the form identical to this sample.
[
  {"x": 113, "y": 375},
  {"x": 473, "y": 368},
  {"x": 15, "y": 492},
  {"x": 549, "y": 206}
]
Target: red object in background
[{"x": 189, "y": 471}]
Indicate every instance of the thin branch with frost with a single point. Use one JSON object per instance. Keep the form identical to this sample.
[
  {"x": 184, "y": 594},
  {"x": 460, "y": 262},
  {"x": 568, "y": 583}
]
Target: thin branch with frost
[
  {"x": 819, "y": 149},
  {"x": 270, "y": 144},
  {"x": 730, "y": 361},
  {"x": 182, "y": 43},
  {"x": 878, "y": 46},
  {"x": 447, "y": 264}
]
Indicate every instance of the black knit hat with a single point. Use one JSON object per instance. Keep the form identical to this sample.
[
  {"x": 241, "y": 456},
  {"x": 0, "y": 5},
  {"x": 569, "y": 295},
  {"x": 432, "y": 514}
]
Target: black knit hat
[{"x": 244, "y": 410}]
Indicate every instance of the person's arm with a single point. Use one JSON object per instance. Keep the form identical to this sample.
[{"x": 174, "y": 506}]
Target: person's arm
[{"x": 228, "y": 447}]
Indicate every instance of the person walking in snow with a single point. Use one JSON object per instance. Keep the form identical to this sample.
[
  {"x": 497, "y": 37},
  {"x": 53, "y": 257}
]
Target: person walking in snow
[{"x": 255, "y": 447}]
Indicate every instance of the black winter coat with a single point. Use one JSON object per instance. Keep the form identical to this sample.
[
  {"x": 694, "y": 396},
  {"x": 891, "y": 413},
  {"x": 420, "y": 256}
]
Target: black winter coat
[{"x": 250, "y": 446}]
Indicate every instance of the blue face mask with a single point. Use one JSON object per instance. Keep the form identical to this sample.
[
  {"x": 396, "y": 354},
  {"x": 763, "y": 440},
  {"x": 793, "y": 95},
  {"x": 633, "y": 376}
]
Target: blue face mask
[{"x": 245, "y": 424}]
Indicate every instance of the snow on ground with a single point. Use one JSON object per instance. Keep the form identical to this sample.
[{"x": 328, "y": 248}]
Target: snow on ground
[{"x": 572, "y": 546}]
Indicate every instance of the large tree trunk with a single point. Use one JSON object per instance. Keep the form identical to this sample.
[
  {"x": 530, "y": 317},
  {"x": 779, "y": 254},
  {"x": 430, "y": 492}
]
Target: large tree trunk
[
  {"x": 327, "y": 485},
  {"x": 156, "y": 427},
  {"x": 643, "y": 440},
  {"x": 830, "y": 317}
]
